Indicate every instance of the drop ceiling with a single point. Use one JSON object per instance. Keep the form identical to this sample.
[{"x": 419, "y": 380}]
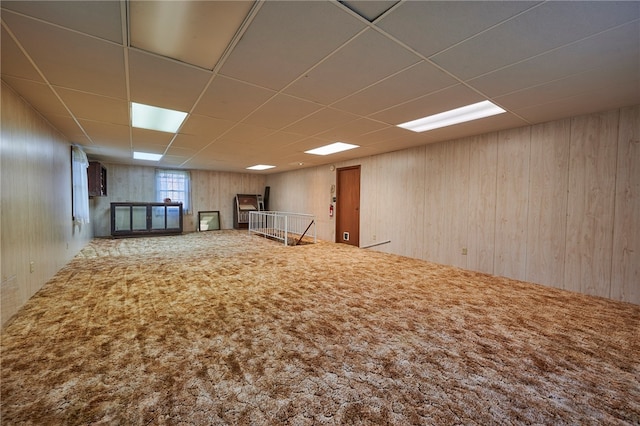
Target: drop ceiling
[{"x": 265, "y": 81}]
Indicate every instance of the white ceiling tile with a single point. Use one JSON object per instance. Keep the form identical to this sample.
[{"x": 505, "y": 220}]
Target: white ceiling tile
[
  {"x": 280, "y": 111},
  {"x": 231, "y": 99},
  {"x": 190, "y": 142},
  {"x": 287, "y": 38},
  {"x": 279, "y": 139},
  {"x": 243, "y": 134},
  {"x": 608, "y": 76},
  {"x": 107, "y": 134},
  {"x": 170, "y": 160},
  {"x": 95, "y": 107},
  {"x": 69, "y": 128},
  {"x": 13, "y": 61},
  {"x": 226, "y": 151},
  {"x": 163, "y": 82},
  {"x": 385, "y": 134},
  {"x": 84, "y": 63},
  {"x": 616, "y": 95},
  {"x": 398, "y": 144},
  {"x": 143, "y": 138},
  {"x": 320, "y": 121},
  {"x": 363, "y": 61},
  {"x": 351, "y": 130},
  {"x": 593, "y": 52},
  {"x": 181, "y": 151},
  {"x": 431, "y": 26},
  {"x": 546, "y": 27},
  {"x": 109, "y": 154},
  {"x": 434, "y": 103},
  {"x": 237, "y": 120},
  {"x": 39, "y": 95},
  {"x": 205, "y": 127},
  {"x": 195, "y": 32},
  {"x": 205, "y": 163},
  {"x": 411, "y": 83},
  {"x": 99, "y": 18}
]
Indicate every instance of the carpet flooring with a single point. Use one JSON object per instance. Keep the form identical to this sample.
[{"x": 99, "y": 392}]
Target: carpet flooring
[{"x": 226, "y": 328}]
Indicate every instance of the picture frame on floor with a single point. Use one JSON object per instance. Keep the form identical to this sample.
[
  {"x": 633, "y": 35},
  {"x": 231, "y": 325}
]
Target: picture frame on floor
[{"x": 209, "y": 220}]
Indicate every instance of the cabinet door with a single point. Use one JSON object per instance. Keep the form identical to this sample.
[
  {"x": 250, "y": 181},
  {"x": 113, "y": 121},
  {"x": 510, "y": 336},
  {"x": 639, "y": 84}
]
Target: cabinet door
[
  {"x": 122, "y": 218},
  {"x": 96, "y": 179},
  {"x": 139, "y": 218},
  {"x": 158, "y": 218},
  {"x": 173, "y": 217}
]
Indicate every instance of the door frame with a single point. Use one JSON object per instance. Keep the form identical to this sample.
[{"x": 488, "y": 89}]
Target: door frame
[{"x": 340, "y": 211}]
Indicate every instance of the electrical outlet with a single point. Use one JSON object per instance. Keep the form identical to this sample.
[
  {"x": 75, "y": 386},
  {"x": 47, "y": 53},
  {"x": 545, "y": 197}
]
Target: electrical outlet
[
  {"x": 32, "y": 266},
  {"x": 464, "y": 251},
  {"x": 374, "y": 237}
]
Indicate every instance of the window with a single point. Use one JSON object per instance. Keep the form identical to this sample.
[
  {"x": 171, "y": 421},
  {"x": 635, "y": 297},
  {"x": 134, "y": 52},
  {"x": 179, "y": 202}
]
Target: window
[
  {"x": 80, "y": 186},
  {"x": 174, "y": 184}
]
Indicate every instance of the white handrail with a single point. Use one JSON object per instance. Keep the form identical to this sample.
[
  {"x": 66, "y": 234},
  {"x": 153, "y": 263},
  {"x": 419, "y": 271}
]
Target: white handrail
[{"x": 283, "y": 226}]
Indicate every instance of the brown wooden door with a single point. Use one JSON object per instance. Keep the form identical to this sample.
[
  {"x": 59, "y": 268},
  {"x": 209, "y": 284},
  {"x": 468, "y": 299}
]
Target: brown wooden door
[{"x": 348, "y": 206}]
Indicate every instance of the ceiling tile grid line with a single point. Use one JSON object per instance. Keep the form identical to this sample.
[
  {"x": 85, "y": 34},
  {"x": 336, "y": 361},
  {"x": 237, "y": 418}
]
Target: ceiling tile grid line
[
  {"x": 60, "y": 27},
  {"x": 555, "y": 49},
  {"x": 434, "y": 64},
  {"x": 44, "y": 78},
  {"x": 236, "y": 38},
  {"x": 496, "y": 25},
  {"x": 246, "y": 22},
  {"x": 298, "y": 73},
  {"x": 281, "y": 91}
]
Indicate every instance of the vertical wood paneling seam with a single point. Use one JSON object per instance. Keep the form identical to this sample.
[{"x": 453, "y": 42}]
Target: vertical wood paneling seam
[
  {"x": 566, "y": 214},
  {"x": 615, "y": 202},
  {"x": 470, "y": 142},
  {"x": 495, "y": 204},
  {"x": 526, "y": 230},
  {"x": 566, "y": 211}
]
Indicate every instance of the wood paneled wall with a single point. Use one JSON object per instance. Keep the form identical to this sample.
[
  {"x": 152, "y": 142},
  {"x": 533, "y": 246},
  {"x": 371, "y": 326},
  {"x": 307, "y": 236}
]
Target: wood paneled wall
[
  {"x": 209, "y": 191},
  {"x": 556, "y": 203},
  {"x": 36, "y": 230}
]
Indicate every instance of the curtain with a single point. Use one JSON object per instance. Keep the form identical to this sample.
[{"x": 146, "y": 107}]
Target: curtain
[{"x": 80, "y": 195}]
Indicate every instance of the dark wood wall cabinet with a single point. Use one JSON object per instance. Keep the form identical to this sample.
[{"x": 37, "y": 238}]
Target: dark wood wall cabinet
[
  {"x": 138, "y": 219},
  {"x": 97, "y": 179}
]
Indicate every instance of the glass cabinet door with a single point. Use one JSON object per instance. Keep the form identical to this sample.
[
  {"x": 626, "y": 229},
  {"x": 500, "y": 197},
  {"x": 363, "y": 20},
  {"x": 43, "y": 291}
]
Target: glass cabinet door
[
  {"x": 139, "y": 218},
  {"x": 173, "y": 217},
  {"x": 122, "y": 218},
  {"x": 145, "y": 218},
  {"x": 157, "y": 217}
]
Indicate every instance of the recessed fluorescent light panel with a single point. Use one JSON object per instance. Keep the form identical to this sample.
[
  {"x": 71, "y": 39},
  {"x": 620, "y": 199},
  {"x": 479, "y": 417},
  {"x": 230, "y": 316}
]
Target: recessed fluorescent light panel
[
  {"x": 260, "y": 167},
  {"x": 154, "y": 118},
  {"x": 459, "y": 115},
  {"x": 332, "y": 148},
  {"x": 146, "y": 156}
]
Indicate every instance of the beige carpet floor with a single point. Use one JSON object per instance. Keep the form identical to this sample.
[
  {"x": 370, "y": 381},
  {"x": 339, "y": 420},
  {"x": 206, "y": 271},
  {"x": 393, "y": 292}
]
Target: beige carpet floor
[{"x": 226, "y": 328}]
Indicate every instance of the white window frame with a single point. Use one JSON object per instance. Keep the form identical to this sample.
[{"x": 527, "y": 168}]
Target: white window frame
[{"x": 175, "y": 185}]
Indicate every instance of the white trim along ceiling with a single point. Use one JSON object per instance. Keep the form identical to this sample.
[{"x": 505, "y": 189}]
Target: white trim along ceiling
[{"x": 264, "y": 81}]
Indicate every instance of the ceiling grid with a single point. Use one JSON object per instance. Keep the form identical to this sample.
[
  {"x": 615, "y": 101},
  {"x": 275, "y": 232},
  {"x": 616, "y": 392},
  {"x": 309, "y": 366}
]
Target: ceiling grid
[{"x": 281, "y": 77}]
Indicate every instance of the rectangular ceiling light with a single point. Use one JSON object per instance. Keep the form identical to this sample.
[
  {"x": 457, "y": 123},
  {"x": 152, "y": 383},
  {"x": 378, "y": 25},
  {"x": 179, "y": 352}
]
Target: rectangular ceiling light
[
  {"x": 332, "y": 148},
  {"x": 260, "y": 167},
  {"x": 154, "y": 118},
  {"x": 454, "y": 116},
  {"x": 146, "y": 156}
]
